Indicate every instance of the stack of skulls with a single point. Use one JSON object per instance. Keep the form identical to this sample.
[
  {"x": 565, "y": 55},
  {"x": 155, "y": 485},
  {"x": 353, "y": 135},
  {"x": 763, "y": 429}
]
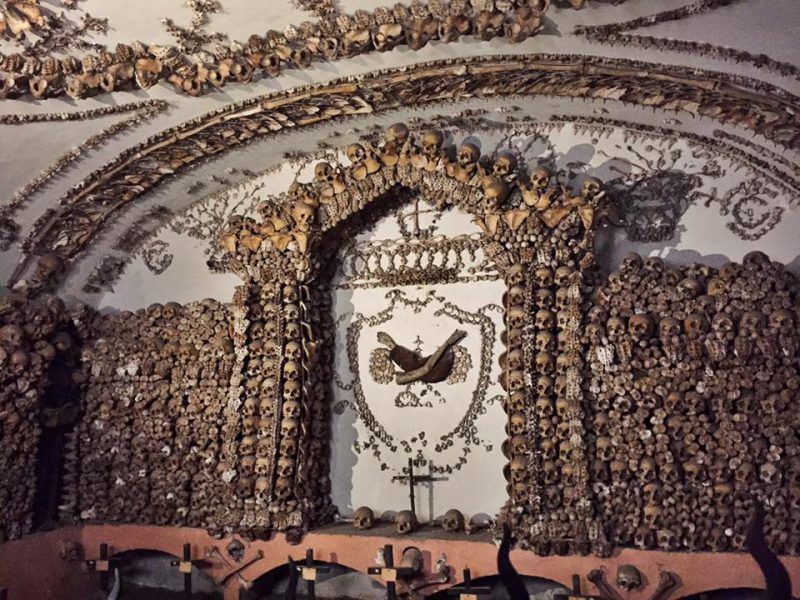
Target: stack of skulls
[
  {"x": 693, "y": 387},
  {"x": 148, "y": 444}
]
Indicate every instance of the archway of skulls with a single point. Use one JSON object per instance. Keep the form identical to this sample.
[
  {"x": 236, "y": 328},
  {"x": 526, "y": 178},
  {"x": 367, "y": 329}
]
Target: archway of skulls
[{"x": 538, "y": 234}]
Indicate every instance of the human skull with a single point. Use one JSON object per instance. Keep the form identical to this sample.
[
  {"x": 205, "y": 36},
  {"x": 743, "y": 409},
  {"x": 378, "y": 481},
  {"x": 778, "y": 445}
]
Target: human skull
[
  {"x": 262, "y": 466},
  {"x": 769, "y": 474},
  {"x": 695, "y": 325},
  {"x": 356, "y": 154},
  {"x": 453, "y": 521},
  {"x": 432, "y": 143},
  {"x": 640, "y": 327},
  {"x": 303, "y": 215},
  {"x": 288, "y": 446},
  {"x": 591, "y": 188},
  {"x": 615, "y": 327},
  {"x": 505, "y": 165},
  {"x": 516, "y": 424},
  {"x": 291, "y": 405},
  {"x": 247, "y": 445},
  {"x": 516, "y": 295},
  {"x": 545, "y": 319},
  {"x": 397, "y": 133},
  {"x": 604, "y": 449},
  {"x": 515, "y": 275},
  {"x": 628, "y": 577},
  {"x": 544, "y": 385},
  {"x": 544, "y": 407},
  {"x": 283, "y": 488},
  {"x": 11, "y": 335},
  {"x": 668, "y": 327},
  {"x": 405, "y": 522},
  {"x": 516, "y": 317},
  {"x": 540, "y": 178},
  {"x": 722, "y": 323},
  {"x": 247, "y": 466},
  {"x": 285, "y": 466},
  {"x": 324, "y": 172},
  {"x": 543, "y": 276},
  {"x": 291, "y": 370},
  {"x": 545, "y": 363},
  {"x": 290, "y": 428},
  {"x": 363, "y": 518},
  {"x": 468, "y": 154},
  {"x": 544, "y": 298}
]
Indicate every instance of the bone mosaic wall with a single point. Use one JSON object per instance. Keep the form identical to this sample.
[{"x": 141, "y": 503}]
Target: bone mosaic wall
[
  {"x": 147, "y": 447},
  {"x": 692, "y": 388},
  {"x": 620, "y": 426}
]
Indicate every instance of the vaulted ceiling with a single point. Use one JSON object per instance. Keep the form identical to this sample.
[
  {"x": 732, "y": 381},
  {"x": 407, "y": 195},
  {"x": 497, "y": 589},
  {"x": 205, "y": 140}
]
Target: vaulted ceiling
[{"x": 686, "y": 109}]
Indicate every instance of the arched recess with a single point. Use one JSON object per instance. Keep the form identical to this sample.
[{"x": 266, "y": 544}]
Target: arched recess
[
  {"x": 537, "y": 587},
  {"x": 740, "y": 593},
  {"x": 337, "y": 581},
  {"x": 144, "y": 572},
  {"x": 539, "y": 236},
  {"x": 404, "y": 272}
]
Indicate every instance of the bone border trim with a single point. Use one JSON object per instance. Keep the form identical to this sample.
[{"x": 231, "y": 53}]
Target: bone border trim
[{"x": 568, "y": 76}]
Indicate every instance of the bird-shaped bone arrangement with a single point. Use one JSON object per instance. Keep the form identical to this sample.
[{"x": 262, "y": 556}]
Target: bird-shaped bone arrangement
[{"x": 428, "y": 369}]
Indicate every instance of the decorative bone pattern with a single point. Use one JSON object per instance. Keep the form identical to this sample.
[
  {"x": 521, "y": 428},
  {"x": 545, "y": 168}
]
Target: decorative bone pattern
[
  {"x": 693, "y": 382},
  {"x": 661, "y": 398},
  {"x": 90, "y": 205},
  {"x": 140, "y": 66},
  {"x": 293, "y": 243}
]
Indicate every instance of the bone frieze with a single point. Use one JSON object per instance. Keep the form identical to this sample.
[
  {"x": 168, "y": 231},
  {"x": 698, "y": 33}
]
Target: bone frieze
[{"x": 90, "y": 205}]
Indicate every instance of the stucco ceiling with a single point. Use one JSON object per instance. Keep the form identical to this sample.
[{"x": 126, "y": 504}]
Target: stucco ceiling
[{"x": 747, "y": 44}]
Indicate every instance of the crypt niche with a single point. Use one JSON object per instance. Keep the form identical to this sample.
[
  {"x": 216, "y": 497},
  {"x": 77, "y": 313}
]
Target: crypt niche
[
  {"x": 418, "y": 318},
  {"x": 538, "y": 236}
]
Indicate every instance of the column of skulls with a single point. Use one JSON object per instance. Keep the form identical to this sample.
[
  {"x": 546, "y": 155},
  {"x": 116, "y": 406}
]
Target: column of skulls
[{"x": 29, "y": 340}]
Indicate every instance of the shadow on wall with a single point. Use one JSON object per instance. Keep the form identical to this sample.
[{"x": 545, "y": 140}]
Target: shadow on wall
[
  {"x": 537, "y": 588},
  {"x": 338, "y": 583},
  {"x": 150, "y": 575},
  {"x": 612, "y": 244}
]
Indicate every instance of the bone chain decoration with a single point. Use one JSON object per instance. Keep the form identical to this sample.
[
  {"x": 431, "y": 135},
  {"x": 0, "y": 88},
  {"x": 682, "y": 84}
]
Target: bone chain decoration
[{"x": 429, "y": 369}]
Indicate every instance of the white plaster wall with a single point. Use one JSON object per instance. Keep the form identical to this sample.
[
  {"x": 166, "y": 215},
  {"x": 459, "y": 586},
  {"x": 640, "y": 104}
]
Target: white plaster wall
[{"x": 363, "y": 466}]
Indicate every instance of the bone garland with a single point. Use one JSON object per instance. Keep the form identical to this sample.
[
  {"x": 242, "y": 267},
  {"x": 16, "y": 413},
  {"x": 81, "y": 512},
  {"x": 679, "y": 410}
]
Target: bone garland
[
  {"x": 204, "y": 219},
  {"x": 687, "y": 410},
  {"x": 294, "y": 228},
  {"x": 57, "y": 41},
  {"x": 234, "y": 416},
  {"x": 141, "y": 66},
  {"x": 617, "y": 34},
  {"x": 322, "y": 8},
  {"x": 145, "y": 163},
  {"x": 55, "y": 33},
  {"x": 31, "y": 336},
  {"x": 144, "y": 111},
  {"x": 191, "y": 40}
]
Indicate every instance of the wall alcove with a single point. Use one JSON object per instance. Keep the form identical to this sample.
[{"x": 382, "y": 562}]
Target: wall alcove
[{"x": 418, "y": 275}]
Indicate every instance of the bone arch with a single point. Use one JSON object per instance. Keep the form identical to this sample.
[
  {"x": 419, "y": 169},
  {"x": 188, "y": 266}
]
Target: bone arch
[
  {"x": 539, "y": 236},
  {"x": 89, "y": 206}
]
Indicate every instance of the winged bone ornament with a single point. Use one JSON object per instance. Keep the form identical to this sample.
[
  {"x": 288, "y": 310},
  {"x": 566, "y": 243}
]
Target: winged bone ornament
[{"x": 433, "y": 368}]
